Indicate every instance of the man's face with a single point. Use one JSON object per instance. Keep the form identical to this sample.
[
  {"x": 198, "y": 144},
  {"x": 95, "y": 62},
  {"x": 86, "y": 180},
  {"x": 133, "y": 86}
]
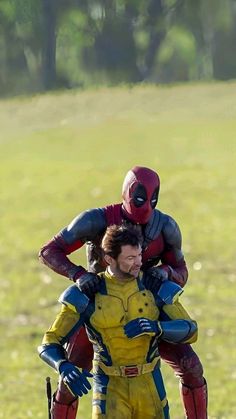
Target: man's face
[{"x": 128, "y": 263}]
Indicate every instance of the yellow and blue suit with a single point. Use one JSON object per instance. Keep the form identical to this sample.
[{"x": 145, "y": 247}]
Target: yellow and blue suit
[{"x": 127, "y": 378}]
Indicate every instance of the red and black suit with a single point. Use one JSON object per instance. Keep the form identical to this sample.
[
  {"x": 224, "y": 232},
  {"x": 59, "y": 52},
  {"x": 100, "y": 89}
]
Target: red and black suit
[{"x": 161, "y": 247}]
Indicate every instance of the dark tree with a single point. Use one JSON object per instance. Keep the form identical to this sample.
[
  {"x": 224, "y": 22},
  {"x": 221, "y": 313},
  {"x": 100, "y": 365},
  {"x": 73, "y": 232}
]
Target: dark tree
[{"x": 49, "y": 44}]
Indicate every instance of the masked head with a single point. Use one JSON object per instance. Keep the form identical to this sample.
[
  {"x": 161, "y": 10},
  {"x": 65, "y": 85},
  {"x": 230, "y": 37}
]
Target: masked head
[{"x": 140, "y": 194}]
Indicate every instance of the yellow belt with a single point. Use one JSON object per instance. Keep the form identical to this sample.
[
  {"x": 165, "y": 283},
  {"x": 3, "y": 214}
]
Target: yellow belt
[{"x": 128, "y": 371}]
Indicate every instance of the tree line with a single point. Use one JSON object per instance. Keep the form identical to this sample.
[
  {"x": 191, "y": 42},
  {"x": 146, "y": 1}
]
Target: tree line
[{"x": 51, "y": 44}]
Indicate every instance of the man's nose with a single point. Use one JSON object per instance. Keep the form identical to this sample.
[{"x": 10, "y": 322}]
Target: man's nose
[{"x": 138, "y": 261}]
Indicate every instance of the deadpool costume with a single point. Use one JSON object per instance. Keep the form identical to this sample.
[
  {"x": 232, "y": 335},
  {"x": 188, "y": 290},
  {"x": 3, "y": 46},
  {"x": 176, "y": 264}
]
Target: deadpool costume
[{"x": 161, "y": 253}]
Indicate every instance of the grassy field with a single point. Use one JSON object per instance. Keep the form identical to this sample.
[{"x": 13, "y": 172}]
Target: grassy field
[{"x": 63, "y": 153}]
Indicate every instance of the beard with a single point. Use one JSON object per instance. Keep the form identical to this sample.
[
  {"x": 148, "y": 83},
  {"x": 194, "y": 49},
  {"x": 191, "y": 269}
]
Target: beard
[{"x": 121, "y": 274}]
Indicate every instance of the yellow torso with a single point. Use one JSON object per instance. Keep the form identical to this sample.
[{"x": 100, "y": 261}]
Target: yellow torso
[{"x": 123, "y": 302}]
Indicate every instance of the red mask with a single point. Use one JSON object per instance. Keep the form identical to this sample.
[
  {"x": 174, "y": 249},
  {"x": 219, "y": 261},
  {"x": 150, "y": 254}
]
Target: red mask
[{"x": 140, "y": 194}]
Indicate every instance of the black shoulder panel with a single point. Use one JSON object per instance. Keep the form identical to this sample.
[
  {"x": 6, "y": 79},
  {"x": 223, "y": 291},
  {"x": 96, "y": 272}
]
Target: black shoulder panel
[
  {"x": 173, "y": 238},
  {"x": 85, "y": 226},
  {"x": 171, "y": 232},
  {"x": 154, "y": 227}
]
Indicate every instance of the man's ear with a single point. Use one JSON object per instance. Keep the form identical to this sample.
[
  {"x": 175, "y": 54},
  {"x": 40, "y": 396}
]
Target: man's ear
[{"x": 108, "y": 259}]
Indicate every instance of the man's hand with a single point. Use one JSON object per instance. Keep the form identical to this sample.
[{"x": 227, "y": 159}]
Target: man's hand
[
  {"x": 75, "y": 380},
  {"x": 88, "y": 283},
  {"x": 158, "y": 273},
  {"x": 153, "y": 277},
  {"x": 142, "y": 326}
]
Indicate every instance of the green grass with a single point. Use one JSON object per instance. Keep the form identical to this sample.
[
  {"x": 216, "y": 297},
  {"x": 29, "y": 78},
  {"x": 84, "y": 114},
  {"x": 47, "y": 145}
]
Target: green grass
[{"x": 63, "y": 153}]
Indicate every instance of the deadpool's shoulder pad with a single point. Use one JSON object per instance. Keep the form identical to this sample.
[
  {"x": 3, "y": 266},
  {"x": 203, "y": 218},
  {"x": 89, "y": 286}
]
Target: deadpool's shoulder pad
[
  {"x": 73, "y": 298},
  {"x": 169, "y": 292},
  {"x": 171, "y": 231},
  {"x": 86, "y": 226}
]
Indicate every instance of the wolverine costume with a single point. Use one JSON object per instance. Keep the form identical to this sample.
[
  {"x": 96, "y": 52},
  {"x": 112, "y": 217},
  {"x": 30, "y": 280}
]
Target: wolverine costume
[{"x": 127, "y": 379}]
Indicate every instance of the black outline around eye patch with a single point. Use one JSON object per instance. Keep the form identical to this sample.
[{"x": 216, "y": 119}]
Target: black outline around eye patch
[
  {"x": 139, "y": 192},
  {"x": 154, "y": 196}
]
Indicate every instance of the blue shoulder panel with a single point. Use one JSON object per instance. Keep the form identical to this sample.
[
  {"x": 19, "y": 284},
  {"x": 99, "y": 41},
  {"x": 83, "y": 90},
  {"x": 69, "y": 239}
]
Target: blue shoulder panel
[
  {"x": 102, "y": 286},
  {"x": 168, "y": 292},
  {"x": 73, "y": 298},
  {"x": 141, "y": 287}
]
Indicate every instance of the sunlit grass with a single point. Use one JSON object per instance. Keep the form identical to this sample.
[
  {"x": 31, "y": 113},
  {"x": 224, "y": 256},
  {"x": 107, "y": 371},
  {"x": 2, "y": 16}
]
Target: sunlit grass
[{"x": 67, "y": 152}]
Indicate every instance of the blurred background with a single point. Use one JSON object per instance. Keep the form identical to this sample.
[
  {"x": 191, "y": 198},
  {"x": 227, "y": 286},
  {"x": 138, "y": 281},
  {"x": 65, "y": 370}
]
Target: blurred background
[
  {"x": 89, "y": 89},
  {"x": 47, "y": 44}
]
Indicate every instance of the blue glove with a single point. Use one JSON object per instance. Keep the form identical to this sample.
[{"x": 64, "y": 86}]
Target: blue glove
[
  {"x": 88, "y": 283},
  {"x": 142, "y": 326},
  {"x": 75, "y": 380}
]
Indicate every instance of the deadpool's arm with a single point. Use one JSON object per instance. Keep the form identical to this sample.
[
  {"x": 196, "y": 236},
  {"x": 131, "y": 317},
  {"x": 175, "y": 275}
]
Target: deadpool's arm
[
  {"x": 172, "y": 258},
  {"x": 85, "y": 227}
]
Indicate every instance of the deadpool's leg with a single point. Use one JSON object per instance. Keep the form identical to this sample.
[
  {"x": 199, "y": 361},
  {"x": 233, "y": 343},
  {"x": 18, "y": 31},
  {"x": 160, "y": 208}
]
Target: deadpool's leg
[
  {"x": 80, "y": 353},
  {"x": 195, "y": 401},
  {"x": 188, "y": 368},
  {"x": 65, "y": 410}
]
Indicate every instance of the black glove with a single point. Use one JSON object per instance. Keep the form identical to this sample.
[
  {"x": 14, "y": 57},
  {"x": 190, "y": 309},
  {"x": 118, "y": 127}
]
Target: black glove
[
  {"x": 153, "y": 278},
  {"x": 88, "y": 283}
]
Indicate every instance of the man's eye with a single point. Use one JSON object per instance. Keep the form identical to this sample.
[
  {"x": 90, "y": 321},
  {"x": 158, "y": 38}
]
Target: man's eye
[
  {"x": 140, "y": 199},
  {"x": 153, "y": 201}
]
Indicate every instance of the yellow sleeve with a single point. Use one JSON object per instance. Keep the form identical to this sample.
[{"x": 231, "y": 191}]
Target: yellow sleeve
[
  {"x": 65, "y": 321},
  {"x": 176, "y": 311}
]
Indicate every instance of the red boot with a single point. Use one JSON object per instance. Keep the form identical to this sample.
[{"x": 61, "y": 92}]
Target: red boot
[
  {"x": 64, "y": 411},
  {"x": 195, "y": 401}
]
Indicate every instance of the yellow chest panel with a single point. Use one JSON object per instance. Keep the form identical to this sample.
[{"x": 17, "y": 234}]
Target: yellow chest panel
[{"x": 123, "y": 302}]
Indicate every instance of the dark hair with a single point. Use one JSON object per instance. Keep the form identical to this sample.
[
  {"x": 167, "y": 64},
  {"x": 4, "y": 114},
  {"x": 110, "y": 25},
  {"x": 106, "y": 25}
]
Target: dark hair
[{"x": 117, "y": 236}]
